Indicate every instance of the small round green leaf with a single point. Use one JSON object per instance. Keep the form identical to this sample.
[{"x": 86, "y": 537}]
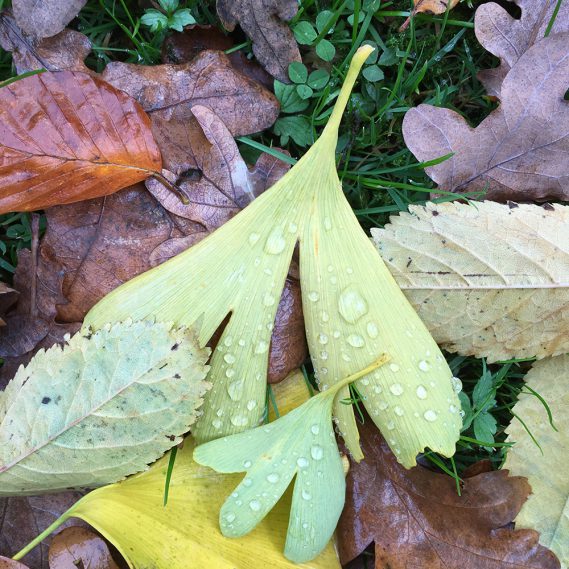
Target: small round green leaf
[
  {"x": 297, "y": 72},
  {"x": 325, "y": 50},
  {"x": 318, "y": 79},
  {"x": 304, "y": 91},
  {"x": 304, "y": 33},
  {"x": 322, "y": 19},
  {"x": 373, "y": 73}
]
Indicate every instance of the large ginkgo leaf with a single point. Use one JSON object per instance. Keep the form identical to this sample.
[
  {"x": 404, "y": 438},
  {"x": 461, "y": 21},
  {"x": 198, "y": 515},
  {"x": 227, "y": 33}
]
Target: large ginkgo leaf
[
  {"x": 66, "y": 137},
  {"x": 547, "y": 509},
  {"x": 102, "y": 407},
  {"x": 487, "y": 279}
]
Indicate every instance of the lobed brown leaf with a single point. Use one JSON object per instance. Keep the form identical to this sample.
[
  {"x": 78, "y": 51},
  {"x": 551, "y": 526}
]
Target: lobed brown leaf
[
  {"x": 417, "y": 519},
  {"x": 264, "y": 22},
  {"x": 519, "y": 151},
  {"x": 509, "y": 38}
]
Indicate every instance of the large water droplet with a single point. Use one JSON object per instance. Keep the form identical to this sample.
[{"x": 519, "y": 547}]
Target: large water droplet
[
  {"x": 255, "y": 505},
  {"x": 306, "y": 495},
  {"x": 261, "y": 347},
  {"x": 430, "y": 415},
  {"x": 322, "y": 338},
  {"x": 229, "y": 372},
  {"x": 424, "y": 365},
  {"x": 352, "y": 305},
  {"x": 247, "y": 463},
  {"x": 273, "y": 478},
  {"x": 235, "y": 390},
  {"x": 396, "y": 389},
  {"x": 276, "y": 243},
  {"x": 251, "y": 404},
  {"x": 316, "y": 452},
  {"x": 302, "y": 462},
  {"x": 355, "y": 340},
  {"x": 239, "y": 420},
  {"x": 229, "y": 358},
  {"x": 421, "y": 392},
  {"x": 456, "y": 384}
]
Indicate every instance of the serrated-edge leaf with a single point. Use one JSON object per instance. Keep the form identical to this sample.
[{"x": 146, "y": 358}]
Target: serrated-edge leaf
[
  {"x": 547, "y": 509},
  {"x": 103, "y": 406},
  {"x": 488, "y": 279}
]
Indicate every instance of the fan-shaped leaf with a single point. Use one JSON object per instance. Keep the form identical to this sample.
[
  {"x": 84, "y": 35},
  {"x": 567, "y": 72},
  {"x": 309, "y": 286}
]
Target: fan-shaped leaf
[
  {"x": 488, "y": 280},
  {"x": 102, "y": 407}
]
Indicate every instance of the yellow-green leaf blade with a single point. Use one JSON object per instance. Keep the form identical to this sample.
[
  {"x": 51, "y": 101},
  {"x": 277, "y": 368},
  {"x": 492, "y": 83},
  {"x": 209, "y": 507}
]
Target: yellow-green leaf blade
[
  {"x": 547, "y": 509},
  {"x": 132, "y": 516},
  {"x": 104, "y": 406},
  {"x": 488, "y": 279}
]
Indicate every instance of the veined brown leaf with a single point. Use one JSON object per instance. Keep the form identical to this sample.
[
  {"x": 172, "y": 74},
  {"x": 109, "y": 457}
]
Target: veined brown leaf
[
  {"x": 487, "y": 279},
  {"x": 547, "y": 509},
  {"x": 46, "y": 18},
  {"x": 67, "y": 137},
  {"x": 104, "y": 406}
]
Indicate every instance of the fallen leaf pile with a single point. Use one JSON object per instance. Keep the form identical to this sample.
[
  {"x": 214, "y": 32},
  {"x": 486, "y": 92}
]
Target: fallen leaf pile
[{"x": 174, "y": 280}]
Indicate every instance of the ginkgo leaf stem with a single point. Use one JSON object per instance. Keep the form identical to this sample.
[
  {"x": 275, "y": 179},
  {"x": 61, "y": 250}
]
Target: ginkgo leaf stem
[{"x": 381, "y": 360}]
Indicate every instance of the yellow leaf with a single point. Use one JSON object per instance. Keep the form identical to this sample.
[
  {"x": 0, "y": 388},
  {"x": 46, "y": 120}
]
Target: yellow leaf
[
  {"x": 185, "y": 533},
  {"x": 488, "y": 279},
  {"x": 547, "y": 509},
  {"x": 288, "y": 394}
]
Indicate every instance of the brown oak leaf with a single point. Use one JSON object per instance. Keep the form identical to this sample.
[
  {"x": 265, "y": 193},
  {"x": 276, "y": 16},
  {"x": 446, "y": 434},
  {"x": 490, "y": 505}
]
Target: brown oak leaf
[
  {"x": 68, "y": 136},
  {"x": 64, "y": 52},
  {"x": 264, "y": 21},
  {"x": 78, "y": 546},
  {"x": 509, "y": 38},
  {"x": 46, "y": 18},
  {"x": 519, "y": 151},
  {"x": 23, "y": 519},
  {"x": 417, "y": 519}
]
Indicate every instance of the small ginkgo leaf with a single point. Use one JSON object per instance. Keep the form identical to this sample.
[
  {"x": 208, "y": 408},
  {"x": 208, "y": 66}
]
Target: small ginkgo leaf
[
  {"x": 185, "y": 533},
  {"x": 354, "y": 311},
  {"x": 488, "y": 279},
  {"x": 300, "y": 444},
  {"x": 547, "y": 509},
  {"x": 104, "y": 406}
]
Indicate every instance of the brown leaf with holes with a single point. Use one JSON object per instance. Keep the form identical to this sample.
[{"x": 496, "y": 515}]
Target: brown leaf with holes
[
  {"x": 417, "y": 519},
  {"x": 67, "y": 137},
  {"x": 64, "y": 52},
  {"x": 182, "y": 47},
  {"x": 519, "y": 151},
  {"x": 23, "y": 519},
  {"x": 77, "y": 547},
  {"x": 46, "y": 18},
  {"x": 509, "y": 38},
  {"x": 264, "y": 21}
]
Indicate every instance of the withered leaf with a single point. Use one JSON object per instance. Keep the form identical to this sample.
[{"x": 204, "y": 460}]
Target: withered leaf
[
  {"x": 64, "y": 52},
  {"x": 182, "y": 47},
  {"x": 67, "y": 137},
  {"x": 508, "y": 37},
  {"x": 46, "y": 18},
  {"x": 417, "y": 519},
  {"x": 429, "y": 7},
  {"x": 168, "y": 92},
  {"x": 264, "y": 22},
  {"x": 22, "y": 519},
  {"x": 76, "y": 547},
  {"x": 7, "y": 563},
  {"x": 8, "y": 296},
  {"x": 519, "y": 151}
]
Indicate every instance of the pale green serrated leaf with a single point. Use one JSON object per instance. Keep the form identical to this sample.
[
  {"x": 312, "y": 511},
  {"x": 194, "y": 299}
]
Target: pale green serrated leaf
[
  {"x": 354, "y": 311},
  {"x": 300, "y": 445},
  {"x": 105, "y": 405},
  {"x": 488, "y": 279},
  {"x": 181, "y": 19},
  {"x": 547, "y": 509},
  {"x": 155, "y": 20}
]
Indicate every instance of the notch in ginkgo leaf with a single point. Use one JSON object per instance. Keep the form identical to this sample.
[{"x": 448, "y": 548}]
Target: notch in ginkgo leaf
[
  {"x": 300, "y": 445},
  {"x": 354, "y": 311}
]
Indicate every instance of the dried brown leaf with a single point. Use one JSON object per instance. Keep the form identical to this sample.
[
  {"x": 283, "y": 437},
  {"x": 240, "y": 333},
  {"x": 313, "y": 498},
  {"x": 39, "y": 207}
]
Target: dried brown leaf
[
  {"x": 23, "y": 519},
  {"x": 519, "y": 151},
  {"x": 264, "y": 22},
  {"x": 8, "y": 297},
  {"x": 183, "y": 47},
  {"x": 64, "y": 52},
  {"x": 46, "y": 18},
  {"x": 417, "y": 519},
  {"x": 77, "y": 547},
  {"x": 508, "y": 37},
  {"x": 67, "y": 137},
  {"x": 433, "y": 6},
  {"x": 7, "y": 563}
]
